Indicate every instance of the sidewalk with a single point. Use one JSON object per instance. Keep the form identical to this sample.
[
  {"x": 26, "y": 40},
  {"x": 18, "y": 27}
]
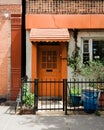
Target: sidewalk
[{"x": 10, "y": 121}]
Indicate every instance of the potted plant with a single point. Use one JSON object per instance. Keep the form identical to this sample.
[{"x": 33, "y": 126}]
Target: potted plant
[
  {"x": 92, "y": 70},
  {"x": 27, "y": 99},
  {"x": 75, "y": 96}
]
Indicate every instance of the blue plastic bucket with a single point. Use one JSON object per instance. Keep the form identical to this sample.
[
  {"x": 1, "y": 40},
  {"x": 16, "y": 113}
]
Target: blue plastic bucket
[{"x": 90, "y": 100}]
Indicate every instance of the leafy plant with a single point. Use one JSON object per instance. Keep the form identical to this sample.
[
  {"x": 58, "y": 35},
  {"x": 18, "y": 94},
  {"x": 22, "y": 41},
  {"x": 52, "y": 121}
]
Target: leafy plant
[
  {"x": 28, "y": 97},
  {"x": 94, "y": 70},
  {"x": 75, "y": 91},
  {"x": 74, "y": 61}
]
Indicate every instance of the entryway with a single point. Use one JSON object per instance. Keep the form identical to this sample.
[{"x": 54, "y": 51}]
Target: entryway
[{"x": 49, "y": 68}]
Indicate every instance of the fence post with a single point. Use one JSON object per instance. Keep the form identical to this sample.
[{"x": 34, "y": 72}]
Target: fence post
[
  {"x": 36, "y": 94},
  {"x": 65, "y": 95},
  {"x": 22, "y": 91}
]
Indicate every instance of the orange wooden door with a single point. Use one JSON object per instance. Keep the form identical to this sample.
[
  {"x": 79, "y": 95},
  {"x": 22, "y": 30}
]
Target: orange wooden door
[{"x": 49, "y": 69}]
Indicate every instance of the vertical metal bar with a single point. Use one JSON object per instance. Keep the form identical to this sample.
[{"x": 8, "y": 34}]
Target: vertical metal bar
[
  {"x": 78, "y": 93},
  {"x": 50, "y": 93},
  {"x": 36, "y": 94},
  {"x": 69, "y": 89},
  {"x": 46, "y": 94},
  {"x": 65, "y": 95},
  {"x": 74, "y": 91},
  {"x": 54, "y": 94},
  {"x": 58, "y": 93},
  {"x": 21, "y": 92},
  {"x": 41, "y": 85}
]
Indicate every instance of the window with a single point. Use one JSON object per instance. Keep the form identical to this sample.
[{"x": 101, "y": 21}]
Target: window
[
  {"x": 85, "y": 51},
  {"x": 93, "y": 49},
  {"x": 49, "y": 59},
  {"x": 98, "y": 49}
]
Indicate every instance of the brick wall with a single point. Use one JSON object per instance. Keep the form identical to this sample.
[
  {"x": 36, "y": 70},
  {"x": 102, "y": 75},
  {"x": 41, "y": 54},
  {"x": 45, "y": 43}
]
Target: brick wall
[
  {"x": 5, "y": 36},
  {"x": 66, "y": 6},
  {"x": 10, "y": 1},
  {"x": 12, "y": 9},
  {"x": 3, "y": 57}
]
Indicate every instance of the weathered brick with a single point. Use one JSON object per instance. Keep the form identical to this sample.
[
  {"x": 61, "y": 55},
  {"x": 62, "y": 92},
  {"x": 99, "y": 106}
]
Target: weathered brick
[
  {"x": 12, "y": 9},
  {"x": 66, "y": 6},
  {"x": 4, "y": 58}
]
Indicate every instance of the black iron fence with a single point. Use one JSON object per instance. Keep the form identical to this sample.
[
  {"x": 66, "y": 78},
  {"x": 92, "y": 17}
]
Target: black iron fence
[
  {"x": 71, "y": 95},
  {"x": 87, "y": 95}
]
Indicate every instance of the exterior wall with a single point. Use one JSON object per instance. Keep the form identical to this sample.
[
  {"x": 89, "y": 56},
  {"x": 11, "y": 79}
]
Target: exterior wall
[
  {"x": 4, "y": 58},
  {"x": 10, "y": 2},
  {"x": 28, "y": 56},
  {"x": 15, "y": 55},
  {"x": 65, "y": 6},
  {"x": 72, "y": 21},
  {"x": 10, "y": 8},
  {"x": 82, "y": 34},
  {"x": 10, "y": 48}
]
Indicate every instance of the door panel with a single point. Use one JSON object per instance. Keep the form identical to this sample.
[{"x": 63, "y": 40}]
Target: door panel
[
  {"x": 49, "y": 69},
  {"x": 48, "y": 64}
]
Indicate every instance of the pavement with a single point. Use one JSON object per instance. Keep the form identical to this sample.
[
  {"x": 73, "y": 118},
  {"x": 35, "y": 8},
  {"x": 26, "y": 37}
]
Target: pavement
[{"x": 48, "y": 121}]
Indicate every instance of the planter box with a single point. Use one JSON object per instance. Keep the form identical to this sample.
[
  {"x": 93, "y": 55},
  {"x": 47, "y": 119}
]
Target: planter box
[
  {"x": 27, "y": 111},
  {"x": 75, "y": 100},
  {"x": 101, "y": 99}
]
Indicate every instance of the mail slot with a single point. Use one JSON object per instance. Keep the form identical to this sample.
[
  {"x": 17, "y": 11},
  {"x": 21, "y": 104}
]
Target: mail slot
[{"x": 49, "y": 70}]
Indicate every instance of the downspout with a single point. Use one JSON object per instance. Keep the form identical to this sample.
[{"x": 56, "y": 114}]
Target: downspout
[{"x": 23, "y": 39}]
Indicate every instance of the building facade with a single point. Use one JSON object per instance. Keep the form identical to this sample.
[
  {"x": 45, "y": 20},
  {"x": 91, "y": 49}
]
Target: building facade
[
  {"x": 53, "y": 29},
  {"x": 45, "y": 16}
]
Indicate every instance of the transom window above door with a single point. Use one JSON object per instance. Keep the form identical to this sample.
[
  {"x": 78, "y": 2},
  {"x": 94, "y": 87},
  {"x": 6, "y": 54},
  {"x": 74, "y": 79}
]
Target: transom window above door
[
  {"x": 49, "y": 59},
  {"x": 93, "y": 49}
]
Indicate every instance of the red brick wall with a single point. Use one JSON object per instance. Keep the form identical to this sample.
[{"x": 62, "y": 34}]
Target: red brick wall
[
  {"x": 12, "y": 9},
  {"x": 66, "y": 6},
  {"x": 4, "y": 58},
  {"x": 15, "y": 56},
  {"x": 15, "y": 49}
]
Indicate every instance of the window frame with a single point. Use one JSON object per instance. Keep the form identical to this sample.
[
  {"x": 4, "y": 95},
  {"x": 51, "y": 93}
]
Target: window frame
[{"x": 90, "y": 43}]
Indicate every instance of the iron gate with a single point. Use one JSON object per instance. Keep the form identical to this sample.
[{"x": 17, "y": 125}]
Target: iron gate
[{"x": 50, "y": 95}]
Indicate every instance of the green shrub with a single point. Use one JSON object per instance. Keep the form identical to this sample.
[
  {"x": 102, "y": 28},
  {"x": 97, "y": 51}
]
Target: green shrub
[
  {"x": 93, "y": 70},
  {"x": 75, "y": 91},
  {"x": 28, "y": 97}
]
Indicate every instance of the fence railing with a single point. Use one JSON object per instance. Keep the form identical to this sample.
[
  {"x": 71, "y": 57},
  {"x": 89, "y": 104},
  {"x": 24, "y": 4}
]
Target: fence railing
[
  {"x": 85, "y": 95},
  {"x": 66, "y": 95}
]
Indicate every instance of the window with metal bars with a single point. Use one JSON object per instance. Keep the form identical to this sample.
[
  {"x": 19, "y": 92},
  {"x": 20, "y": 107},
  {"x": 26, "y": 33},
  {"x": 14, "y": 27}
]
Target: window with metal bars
[{"x": 65, "y": 6}]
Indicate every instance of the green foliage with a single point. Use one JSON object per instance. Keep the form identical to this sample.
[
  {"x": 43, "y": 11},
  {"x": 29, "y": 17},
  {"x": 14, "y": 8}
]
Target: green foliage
[
  {"x": 75, "y": 90},
  {"x": 97, "y": 113},
  {"x": 74, "y": 61},
  {"x": 94, "y": 70},
  {"x": 28, "y": 97}
]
